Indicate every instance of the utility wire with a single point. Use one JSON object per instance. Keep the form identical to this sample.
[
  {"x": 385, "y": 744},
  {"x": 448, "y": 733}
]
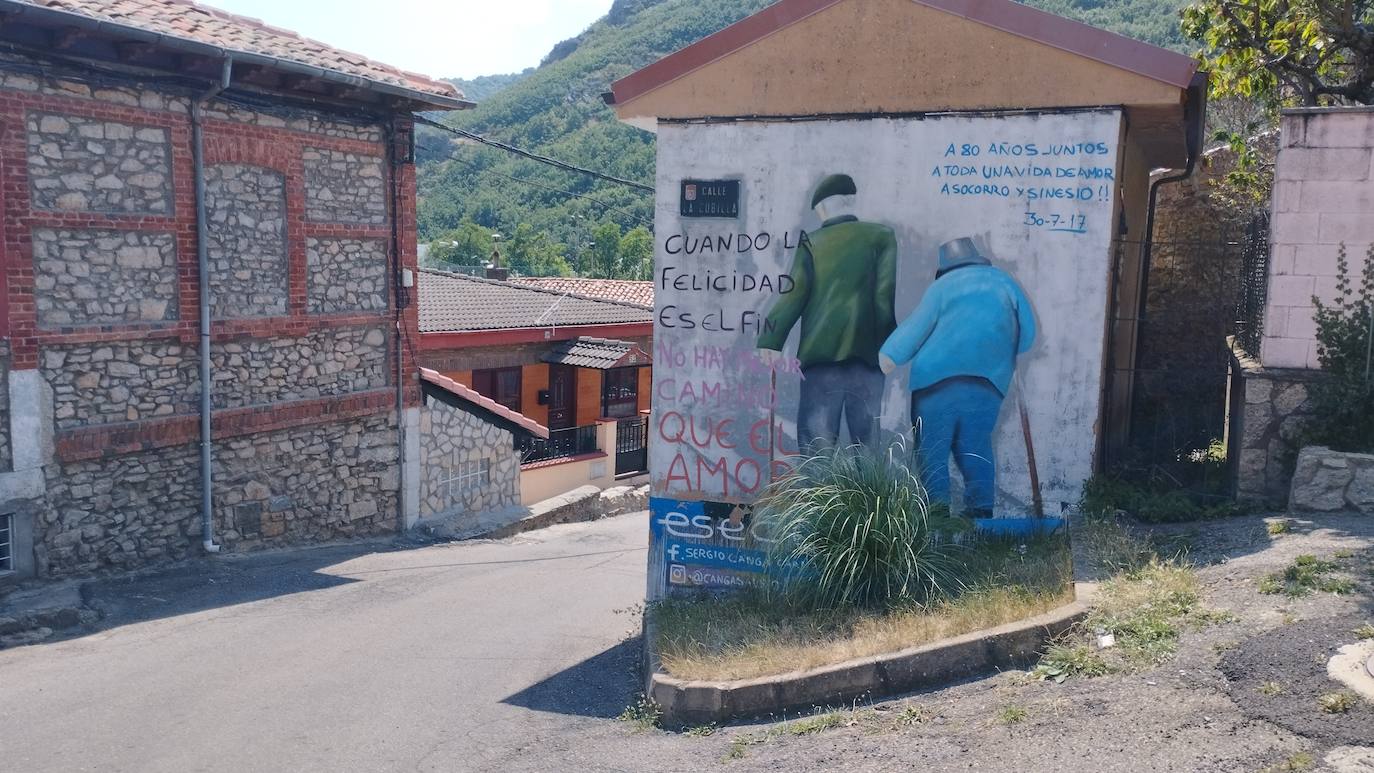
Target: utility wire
[
  {"x": 535, "y": 156},
  {"x": 470, "y": 165}
]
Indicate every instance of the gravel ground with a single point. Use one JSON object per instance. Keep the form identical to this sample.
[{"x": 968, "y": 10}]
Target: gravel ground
[{"x": 1200, "y": 711}]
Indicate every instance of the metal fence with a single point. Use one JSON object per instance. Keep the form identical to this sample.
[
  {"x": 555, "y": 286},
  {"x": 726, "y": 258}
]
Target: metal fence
[
  {"x": 1254, "y": 285},
  {"x": 560, "y": 444},
  {"x": 1199, "y": 293}
]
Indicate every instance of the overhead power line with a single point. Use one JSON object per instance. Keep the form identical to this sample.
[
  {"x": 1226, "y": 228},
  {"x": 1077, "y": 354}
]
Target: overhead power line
[
  {"x": 535, "y": 156},
  {"x": 609, "y": 207}
]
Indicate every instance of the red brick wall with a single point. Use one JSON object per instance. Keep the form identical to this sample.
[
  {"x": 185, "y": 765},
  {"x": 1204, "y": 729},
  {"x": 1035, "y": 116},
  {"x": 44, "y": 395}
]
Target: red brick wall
[{"x": 279, "y": 149}]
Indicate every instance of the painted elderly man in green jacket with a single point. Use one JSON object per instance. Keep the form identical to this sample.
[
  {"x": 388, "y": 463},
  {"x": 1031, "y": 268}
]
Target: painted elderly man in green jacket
[{"x": 846, "y": 279}]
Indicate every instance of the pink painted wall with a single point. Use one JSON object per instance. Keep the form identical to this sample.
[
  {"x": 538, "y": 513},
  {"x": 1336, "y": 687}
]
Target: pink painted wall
[{"x": 1323, "y": 197}]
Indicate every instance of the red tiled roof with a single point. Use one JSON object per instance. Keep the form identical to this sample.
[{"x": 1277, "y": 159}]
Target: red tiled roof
[
  {"x": 450, "y": 303},
  {"x": 639, "y": 293},
  {"x": 189, "y": 21},
  {"x": 473, "y": 396},
  {"x": 1009, "y": 16}
]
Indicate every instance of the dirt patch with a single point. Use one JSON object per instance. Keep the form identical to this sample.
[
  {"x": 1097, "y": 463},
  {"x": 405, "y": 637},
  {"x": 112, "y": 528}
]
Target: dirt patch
[{"x": 1279, "y": 676}]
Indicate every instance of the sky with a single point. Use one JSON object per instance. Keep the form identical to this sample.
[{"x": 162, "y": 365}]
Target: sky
[{"x": 439, "y": 38}]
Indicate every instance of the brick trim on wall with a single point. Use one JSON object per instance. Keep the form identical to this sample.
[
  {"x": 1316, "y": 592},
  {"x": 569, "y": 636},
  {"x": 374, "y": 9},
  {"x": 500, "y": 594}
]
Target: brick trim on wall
[
  {"x": 277, "y": 148},
  {"x": 98, "y": 442}
]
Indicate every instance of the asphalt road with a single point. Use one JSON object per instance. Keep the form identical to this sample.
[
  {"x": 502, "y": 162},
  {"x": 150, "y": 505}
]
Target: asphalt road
[{"x": 467, "y": 656}]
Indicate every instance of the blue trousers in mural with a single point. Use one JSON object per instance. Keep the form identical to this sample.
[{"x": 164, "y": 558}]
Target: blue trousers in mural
[
  {"x": 957, "y": 416},
  {"x": 851, "y": 390}
]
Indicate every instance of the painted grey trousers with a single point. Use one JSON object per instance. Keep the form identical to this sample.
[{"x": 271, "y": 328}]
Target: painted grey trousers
[{"x": 851, "y": 391}]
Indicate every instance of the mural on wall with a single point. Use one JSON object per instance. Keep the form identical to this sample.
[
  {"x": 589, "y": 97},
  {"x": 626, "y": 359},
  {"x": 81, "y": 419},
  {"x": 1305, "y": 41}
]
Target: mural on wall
[
  {"x": 888, "y": 282},
  {"x": 845, "y": 284},
  {"x": 962, "y": 341}
]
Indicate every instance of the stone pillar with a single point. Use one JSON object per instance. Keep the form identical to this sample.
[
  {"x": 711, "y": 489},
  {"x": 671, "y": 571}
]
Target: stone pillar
[
  {"x": 1268, "y": 409},
  {"x": 411, "y": 470},
  {"x": 23, "y": 488}
]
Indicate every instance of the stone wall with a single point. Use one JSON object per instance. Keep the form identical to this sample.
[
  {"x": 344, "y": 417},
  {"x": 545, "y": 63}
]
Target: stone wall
[
  {"x": 93, "y": 277},
  {"x": 345, "y": 275},
  {"x": 306, "y": 484},
  {"x": 467, "y": 465},
  {"x": 120, "y": 512},
  {"x": 1323, "y": 197},
  {"x": 246, "y": 207},
  {"x": 120, "y": 381},
  {"x": 256, "y": 371},
  {"x": 343, "y": 187},
  {"x": 1268, "y": 412},
  {"x": 104, "y": 379},
  {"x": 90, "y": 165},
  {"x": 1330, "y": 481}
]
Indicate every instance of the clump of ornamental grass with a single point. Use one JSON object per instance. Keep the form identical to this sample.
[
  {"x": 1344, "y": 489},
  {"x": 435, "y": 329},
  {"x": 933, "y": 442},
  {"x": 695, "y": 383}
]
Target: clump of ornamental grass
[{"x": 853, "y": 527}]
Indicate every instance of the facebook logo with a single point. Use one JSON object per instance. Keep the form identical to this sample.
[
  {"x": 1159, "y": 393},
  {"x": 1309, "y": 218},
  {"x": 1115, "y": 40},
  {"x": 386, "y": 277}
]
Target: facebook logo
[{"x": 673, "y": 550}]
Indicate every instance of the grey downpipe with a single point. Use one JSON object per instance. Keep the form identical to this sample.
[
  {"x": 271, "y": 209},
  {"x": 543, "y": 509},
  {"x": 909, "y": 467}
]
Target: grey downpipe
[
  {"x": 207, "y": 512},
  {"x": 1196, "y": 109}
]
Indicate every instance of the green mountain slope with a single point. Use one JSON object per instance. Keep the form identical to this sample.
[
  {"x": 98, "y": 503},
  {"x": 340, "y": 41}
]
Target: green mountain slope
[
  {"x": 483, "y": 87},
  {"x": 557, "y": 110}
]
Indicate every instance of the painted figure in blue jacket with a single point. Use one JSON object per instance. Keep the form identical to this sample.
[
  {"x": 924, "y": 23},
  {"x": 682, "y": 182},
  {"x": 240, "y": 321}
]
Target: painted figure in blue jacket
[{"x": 962, "y": 342}]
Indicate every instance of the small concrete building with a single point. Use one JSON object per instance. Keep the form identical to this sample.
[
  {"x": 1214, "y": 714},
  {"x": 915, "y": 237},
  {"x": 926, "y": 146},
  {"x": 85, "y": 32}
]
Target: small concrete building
[
  {"x": 820, "y": 164},
  {"x": 208, "y": 247}
]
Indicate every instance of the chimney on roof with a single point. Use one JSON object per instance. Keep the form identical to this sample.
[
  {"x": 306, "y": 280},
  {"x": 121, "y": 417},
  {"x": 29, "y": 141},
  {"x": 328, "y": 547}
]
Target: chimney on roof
[{"x": 497, "y": 272}]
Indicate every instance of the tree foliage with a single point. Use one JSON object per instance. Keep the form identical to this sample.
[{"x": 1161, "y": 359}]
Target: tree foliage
[
  {"x": 1309, "y": 52},
  {"x": 467, "y": 245}
]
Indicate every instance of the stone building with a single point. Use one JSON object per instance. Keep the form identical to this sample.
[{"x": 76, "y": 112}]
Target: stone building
[{"x": 140, "y": 140}]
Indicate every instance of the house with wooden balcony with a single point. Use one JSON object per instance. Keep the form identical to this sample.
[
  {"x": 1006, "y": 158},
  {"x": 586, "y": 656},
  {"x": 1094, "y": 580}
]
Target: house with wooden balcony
[{"x": 568, "y": 374}]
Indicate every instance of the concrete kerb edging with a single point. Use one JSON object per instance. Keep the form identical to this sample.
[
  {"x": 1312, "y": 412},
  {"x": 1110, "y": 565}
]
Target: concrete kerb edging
[{"x": 686, "y": 703}]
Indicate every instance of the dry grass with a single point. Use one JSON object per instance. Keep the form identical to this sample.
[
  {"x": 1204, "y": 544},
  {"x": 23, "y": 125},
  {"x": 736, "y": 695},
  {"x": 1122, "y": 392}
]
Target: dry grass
[{"x": 747, "y": 637}]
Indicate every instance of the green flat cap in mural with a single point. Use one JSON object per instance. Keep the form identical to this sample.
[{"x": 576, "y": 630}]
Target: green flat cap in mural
[{"x": 834, "y": 185}]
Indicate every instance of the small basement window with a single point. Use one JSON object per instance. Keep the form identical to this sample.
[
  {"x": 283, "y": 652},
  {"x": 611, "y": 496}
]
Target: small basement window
[
  {"x": 466, "y": 476},
  {"x": 6, "y": 543}
]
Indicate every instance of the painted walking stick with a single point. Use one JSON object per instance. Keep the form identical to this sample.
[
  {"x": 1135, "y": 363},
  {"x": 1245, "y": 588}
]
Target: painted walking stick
[{"x": 1037, "y": 503}]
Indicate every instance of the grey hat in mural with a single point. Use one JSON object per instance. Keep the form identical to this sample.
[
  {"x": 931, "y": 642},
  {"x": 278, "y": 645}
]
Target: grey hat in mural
[
  {"x": 834, "y": 185},
  {"x": 960, "y": 252}
]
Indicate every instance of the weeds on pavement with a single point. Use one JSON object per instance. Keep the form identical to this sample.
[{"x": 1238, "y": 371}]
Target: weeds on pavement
[
  {"x": 1365, "y": 631},
  {"x": 1064, "y": 660},
  {"x": 1270, "y": 689},
  {"x": 1011, "y": 714},
  {"x": 1296, "y": 763},
  {"x": 1282, "y": 526},
  {"x": 1337, "y": 702},
  {"x": 644, "y": 714},
  {"x": 1306, "y": 574}
]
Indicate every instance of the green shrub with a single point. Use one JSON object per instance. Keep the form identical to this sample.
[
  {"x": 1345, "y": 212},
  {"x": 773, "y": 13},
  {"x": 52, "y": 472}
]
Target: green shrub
[
  {"x": 854, "y": 527},
  {"x": 1155, "y": 502},
  {"x": 1343, "y": 403}
]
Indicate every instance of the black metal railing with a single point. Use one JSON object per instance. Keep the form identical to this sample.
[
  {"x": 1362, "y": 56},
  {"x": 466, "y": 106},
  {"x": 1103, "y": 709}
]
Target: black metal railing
[
  {"x": 560, "y": 444},
  {"x": 632, "y": 445},
  {"x": 1254, "y": 286}
]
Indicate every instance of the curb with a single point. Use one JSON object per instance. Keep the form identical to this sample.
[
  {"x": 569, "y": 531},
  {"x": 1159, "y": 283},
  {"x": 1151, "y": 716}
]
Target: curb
[{"x": 1013, "y": 645}]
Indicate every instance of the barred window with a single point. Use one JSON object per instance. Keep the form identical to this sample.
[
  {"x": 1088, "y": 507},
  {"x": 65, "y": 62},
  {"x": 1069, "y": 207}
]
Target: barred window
[{"x": 466, "y": 476}]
